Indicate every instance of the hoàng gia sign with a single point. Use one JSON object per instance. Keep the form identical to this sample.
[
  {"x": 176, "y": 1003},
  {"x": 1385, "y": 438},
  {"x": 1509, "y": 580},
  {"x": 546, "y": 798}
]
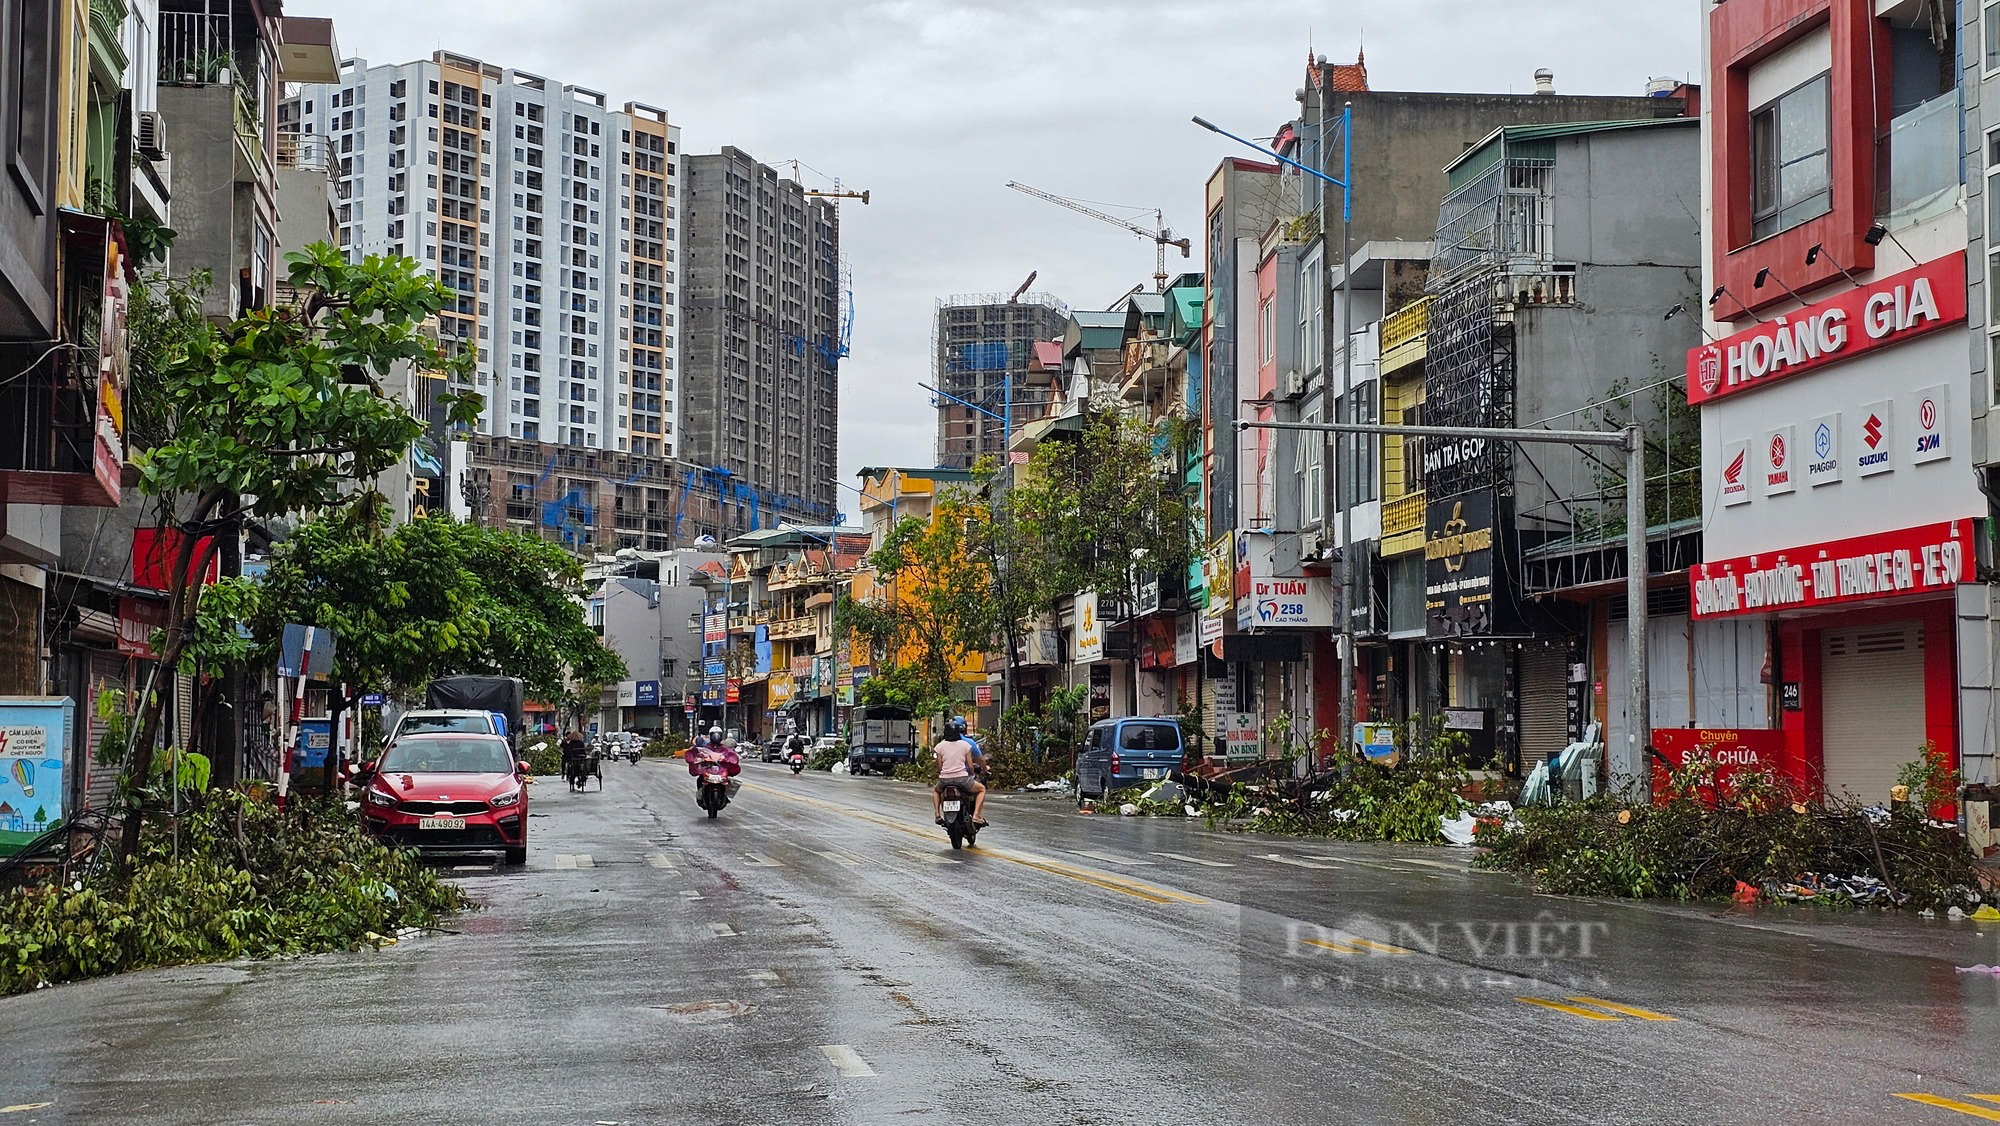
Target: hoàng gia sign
[{"x": 1851, "y": 322}]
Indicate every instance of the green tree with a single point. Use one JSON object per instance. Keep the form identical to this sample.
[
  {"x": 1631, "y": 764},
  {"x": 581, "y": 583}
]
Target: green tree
[
  {"x": 277, "y": 413},
  {"x": 1096, "y": 512},
  {"x": 436, "y": 597}
]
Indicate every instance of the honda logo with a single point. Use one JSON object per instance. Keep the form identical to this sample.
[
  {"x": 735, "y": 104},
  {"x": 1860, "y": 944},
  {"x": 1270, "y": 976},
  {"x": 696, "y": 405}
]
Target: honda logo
[{"x": 1733, "y": 472}]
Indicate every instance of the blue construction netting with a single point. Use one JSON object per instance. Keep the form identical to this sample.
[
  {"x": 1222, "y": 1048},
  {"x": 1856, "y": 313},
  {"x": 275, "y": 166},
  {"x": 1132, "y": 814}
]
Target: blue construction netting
[{"x": 990, "y": 355}]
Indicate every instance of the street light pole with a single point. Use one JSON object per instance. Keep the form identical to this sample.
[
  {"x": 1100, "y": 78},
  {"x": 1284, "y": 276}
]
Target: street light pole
[{"x": 1630, "y": 765}]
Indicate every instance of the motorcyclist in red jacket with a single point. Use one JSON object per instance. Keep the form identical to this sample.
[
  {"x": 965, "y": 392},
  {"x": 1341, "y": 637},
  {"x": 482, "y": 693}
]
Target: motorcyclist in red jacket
[{"x": 712, "y": 749}]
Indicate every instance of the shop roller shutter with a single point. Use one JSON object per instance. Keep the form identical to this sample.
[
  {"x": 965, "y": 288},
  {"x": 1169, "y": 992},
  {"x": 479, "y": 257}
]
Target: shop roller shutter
[{"x": 1872, "y": 715}]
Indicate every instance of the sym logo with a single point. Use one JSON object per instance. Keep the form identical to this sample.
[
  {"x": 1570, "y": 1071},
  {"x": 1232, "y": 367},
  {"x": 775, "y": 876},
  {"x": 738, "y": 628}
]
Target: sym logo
[
  {"x": 1709, "y": 369},
  {"x": 1777, "y": 451},
  {"x": 1871, "y": 431},
  {"x": 1733, "y": 472},
  {"x": 1927, "y": 414},
  {"x": 1822, "y": 440}
]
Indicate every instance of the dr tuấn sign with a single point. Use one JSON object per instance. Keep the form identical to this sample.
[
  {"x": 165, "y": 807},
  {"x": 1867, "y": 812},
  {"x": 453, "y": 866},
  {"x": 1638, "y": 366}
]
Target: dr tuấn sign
[{"x": 1854, "y": 321}]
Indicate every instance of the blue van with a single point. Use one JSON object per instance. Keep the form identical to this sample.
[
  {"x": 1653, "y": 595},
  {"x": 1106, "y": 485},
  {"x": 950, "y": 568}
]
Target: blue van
[{"x": 1127, "y": 752}]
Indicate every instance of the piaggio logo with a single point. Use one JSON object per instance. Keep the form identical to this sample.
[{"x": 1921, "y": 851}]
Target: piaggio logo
[
  {"x": 1871, "y": 431},
  {"x": 1822, "y": 440},
  {"x": 1709, "y": 369},
  {"x": 1733, "y": 472},
  {"x": 1777, "y": 451}
]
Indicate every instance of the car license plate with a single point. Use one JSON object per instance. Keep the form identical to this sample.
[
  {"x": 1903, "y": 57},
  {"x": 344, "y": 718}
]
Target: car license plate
[
  {"x": 1154, "y": 772},
  {"x": 441, "y": 823},
  {"x": 951, "y": 807}
]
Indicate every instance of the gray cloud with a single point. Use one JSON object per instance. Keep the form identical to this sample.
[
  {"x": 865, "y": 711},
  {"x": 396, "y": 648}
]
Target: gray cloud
[{"x": 933, "y": 105}]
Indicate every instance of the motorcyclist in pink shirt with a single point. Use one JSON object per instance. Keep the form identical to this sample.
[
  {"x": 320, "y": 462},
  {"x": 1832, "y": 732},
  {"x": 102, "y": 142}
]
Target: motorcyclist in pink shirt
[
  {"x": 959, "y": 761},
  {"x": 713, "y": 748}
]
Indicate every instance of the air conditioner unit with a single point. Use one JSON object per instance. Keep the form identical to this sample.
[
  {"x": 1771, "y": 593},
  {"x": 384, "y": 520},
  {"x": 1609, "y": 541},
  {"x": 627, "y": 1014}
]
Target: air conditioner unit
[
  {"x": 152, "y": 135},
  {"x": 1294, "y": 384}
]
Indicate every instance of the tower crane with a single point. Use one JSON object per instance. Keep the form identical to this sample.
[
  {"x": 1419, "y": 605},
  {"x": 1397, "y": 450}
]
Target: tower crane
[
  {"x": 1160, "y": 236},
  {"x": 1023, "y": 287}
]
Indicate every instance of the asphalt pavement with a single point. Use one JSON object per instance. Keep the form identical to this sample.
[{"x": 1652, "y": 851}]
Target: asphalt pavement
[{"x": 820, "y": 954}]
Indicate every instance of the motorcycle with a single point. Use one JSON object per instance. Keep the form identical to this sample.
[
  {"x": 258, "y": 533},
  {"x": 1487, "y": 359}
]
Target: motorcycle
[
  {"x": 632, "y": 755},
  {"x": 957, "y": 807},
  {"x": 713, "y": 786},
  {"x": 797, "y": 760}
]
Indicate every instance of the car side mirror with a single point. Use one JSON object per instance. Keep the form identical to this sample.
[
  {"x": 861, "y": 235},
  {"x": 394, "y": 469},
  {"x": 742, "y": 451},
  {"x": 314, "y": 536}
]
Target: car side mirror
[{"x": 522, "y": 768}]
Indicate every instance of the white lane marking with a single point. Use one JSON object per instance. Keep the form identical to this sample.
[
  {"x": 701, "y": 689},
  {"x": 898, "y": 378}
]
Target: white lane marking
[
  {"x": 1277, "y": 858},
  {"x": 847, "y": 1060},
  {"x": 839, "y": 858},
  {"x": 757, "y": 861},
  {"x": 765, "y": 977},
  {"x": 1194, "y": 860},
  {"x": 1108, "y": 858},
  {"x": 659, "y": 860},
  {"x": 722, "y": 930},
  {"x": 580, "y": 860},
  {"x": 691, "y": 896},
  {"x": 924, "y": 857}
]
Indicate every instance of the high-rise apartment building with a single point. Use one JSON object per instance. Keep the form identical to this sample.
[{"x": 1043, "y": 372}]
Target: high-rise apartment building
[
  {"x": 981, "y": 349},
  {"x": 763, "y": 338},
  {"x": 551, "y": 213}
]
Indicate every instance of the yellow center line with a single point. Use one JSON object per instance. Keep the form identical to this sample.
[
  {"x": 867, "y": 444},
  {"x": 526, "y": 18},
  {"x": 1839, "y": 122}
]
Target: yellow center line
[
  {"x": 1950, "y": 1104},
  {"x": 1379, "y": 947},
  {"x": 1336, "y": 947},
  {"x": 1627, "y": 1010},
  {"x": 1985, "y": 1098},
  {"x": 1562, "y": 1008},
  {"x": 1109, "y": 883}
]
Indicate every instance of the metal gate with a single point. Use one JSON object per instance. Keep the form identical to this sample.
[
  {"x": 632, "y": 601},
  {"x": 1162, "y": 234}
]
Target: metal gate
[{"x": 1872, "y": 711}]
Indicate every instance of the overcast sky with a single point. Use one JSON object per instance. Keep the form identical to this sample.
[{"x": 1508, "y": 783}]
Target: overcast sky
[{"x": 933, "y": 105}]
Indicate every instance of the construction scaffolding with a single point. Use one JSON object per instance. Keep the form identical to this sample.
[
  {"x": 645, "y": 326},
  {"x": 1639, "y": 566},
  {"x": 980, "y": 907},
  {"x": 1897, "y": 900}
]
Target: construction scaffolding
[{"x": 981, "y": 348}]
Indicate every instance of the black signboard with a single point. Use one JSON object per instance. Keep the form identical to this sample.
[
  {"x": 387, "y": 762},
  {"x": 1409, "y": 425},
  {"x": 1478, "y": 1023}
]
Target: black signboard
[{"x": 1460, "y": 537}]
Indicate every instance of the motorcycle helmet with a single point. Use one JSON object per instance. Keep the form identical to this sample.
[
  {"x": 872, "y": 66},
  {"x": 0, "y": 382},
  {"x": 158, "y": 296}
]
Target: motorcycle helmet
[{"x": 954, "y": 729}]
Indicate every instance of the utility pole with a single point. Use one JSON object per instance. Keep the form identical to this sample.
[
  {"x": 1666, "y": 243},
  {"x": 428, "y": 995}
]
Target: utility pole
[{"x": 1629, "y": 761}]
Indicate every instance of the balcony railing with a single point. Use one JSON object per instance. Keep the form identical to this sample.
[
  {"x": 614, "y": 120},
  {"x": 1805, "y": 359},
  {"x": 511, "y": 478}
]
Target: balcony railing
[
  {"x": 312, "y": 153},
  {"x": 1917, "y": 159},
  {"x": 1403, "y": 524},
  {"x": 1405, "y": 324}
]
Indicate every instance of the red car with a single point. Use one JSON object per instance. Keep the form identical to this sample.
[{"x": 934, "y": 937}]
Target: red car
[{"x": 448, "y": 794}]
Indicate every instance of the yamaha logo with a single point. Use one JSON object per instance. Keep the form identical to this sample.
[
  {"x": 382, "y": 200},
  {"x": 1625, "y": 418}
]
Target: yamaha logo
[{"x": 1777, "y": 451}]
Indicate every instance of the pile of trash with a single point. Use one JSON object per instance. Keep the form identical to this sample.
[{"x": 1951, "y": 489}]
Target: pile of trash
[{"x": 1865, "y": 890}]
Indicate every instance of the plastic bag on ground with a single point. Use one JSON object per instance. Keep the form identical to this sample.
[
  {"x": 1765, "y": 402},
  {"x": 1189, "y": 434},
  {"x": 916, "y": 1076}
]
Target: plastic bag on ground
[
  {"x": 1165, "y": 791},
  {"x": 1458, "y": 830}
]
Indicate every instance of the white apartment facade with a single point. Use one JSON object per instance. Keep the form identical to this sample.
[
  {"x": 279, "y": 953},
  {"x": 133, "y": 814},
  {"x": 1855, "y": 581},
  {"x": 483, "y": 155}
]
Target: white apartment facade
[{"x": 549, "y": 211}]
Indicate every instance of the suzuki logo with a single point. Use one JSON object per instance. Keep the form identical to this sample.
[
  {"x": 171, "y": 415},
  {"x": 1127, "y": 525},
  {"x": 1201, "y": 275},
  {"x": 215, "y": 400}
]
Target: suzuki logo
[
  {"x": 1871, "y": 431},
  {"x": 1709, "y": 369},
  {"x": 1822, "y": 440},
  {"x": 1733, "y": 472},
  {"x": 1777, "y": 451}
]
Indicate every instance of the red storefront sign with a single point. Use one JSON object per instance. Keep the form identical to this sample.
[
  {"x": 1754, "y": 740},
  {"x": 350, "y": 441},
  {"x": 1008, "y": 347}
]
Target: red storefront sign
[
  {"x": 983, "y": 695},
  {"x": 1734, "y": 751},
  {"x": 733, "y": 692},
  {"x": 1853, "y": 321},
  {"x": 155, "y": 550},
  {"x": 1924, "y": 560},
  {"x": 137, "y": 619}
]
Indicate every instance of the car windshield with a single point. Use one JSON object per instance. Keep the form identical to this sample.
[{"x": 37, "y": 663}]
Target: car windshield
[
  {"x": 448, "y": 756},
  {"x": 1149, "y": 737},
  {"x": 469, "y": 724}
]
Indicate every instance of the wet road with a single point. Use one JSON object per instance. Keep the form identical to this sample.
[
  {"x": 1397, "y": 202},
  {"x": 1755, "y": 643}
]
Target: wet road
[{"x": 819, "y": 954}]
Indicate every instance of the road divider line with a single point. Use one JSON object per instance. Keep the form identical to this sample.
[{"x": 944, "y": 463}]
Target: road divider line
[
  {"x": 1380, "y": 947},
  {"x": 1056, "y": 868},
  {"x": 1941, "y": 1102},
  {"x": 1625, "y": 1010},
  {"x": 659, "y": 860},
  {"x": 765, "y": 977},
  {"x": 691, "y": 896},
  {"x": 847, "y": 1061},
  {"x": 1280, "y": 858},
  {"x": 722, "y": 930},
  {"x": 841, "y": 859},
  {"x": 1194, "y": 860},
  {"x": 1985, "y": 1098},
  {"x": 1572, "y": 1010},
  {"x": 1108, "y": 858},
  {"x": 757, "y": 861},
  {"x": 1336, "y": 947}
]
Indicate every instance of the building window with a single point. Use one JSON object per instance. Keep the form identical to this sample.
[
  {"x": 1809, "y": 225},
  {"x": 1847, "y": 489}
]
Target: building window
[
  {"x": 1791, "y": 166},
  {"x": 1991, "y": 20}
]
